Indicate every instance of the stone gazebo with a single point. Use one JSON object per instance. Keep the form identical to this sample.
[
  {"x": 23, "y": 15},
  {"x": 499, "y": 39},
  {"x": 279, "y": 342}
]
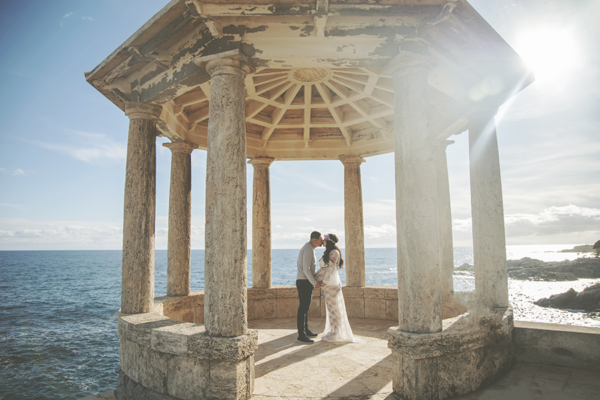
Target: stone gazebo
[{"x": 314, "y": 80}]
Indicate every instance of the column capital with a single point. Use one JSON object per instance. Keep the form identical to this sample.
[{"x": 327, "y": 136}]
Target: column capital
[
  {"x": 142, "y": 110},
  {"x": 180, "y": 146},
  {"x": 442, "y": 144},
  {"x": 482, "y": 110},
  {"x": 266, "y": 161},
  {"x": 409, "y": 63},
  {"x": 351, "y": 160},
  {"x": 232, "y": 62}
]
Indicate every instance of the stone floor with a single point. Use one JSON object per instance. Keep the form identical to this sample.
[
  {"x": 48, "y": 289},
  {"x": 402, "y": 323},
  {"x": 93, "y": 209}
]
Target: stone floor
[{"x": 287, "y": 369}]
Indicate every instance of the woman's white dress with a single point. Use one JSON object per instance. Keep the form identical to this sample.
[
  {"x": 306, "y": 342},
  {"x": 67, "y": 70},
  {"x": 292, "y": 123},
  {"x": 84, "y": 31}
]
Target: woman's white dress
[{"x": 337, "y": 327}]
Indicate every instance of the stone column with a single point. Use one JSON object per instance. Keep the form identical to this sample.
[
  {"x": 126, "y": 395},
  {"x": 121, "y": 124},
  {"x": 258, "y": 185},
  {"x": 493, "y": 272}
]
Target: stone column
[
  {"x": 225, "y": 276},
  {"x": 180, "y": 219},
  {"x": 487, "y": 210},
  {"x": 419, "y": 291},
  {"x": 445, "y": 220},
  {"x": 261, "y": 223},
  {"x": 353, "y": 222},
  {"x": 137, "y": 290}
]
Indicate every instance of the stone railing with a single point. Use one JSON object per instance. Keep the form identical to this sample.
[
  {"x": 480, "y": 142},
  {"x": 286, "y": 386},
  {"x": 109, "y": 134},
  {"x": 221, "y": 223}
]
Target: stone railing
[
  {"x": 373, "y": 302},
  {"x": 376, "y": 302},
  {"x": 163, "y": 358}
]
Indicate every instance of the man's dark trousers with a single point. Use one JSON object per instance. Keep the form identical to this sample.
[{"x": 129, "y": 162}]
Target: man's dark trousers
[{"x": 305, "y": 289}]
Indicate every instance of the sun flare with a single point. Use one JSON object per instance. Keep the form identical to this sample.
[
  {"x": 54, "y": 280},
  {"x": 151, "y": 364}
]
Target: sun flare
[{"x": 550, "y": 52}]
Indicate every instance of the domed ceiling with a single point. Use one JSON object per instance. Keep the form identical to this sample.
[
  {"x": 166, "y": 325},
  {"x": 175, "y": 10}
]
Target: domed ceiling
[{"x": 307, "y": 112}]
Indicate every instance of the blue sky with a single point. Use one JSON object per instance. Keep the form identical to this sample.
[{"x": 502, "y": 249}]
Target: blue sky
[{"x": 62, "y": 159}]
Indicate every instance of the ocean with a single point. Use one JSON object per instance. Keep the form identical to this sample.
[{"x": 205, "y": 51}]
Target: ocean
[{"x": 58, "y": 310}]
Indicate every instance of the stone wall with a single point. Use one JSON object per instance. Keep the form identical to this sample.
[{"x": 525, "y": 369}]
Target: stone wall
[
  {"x": 561, "y": 345},
  {"x": 374, "y": 302},
  {"x": 166, "y": 359}
]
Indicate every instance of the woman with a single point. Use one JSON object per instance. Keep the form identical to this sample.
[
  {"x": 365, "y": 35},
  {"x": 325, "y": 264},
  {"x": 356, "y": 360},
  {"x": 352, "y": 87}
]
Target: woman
[{"x": 337, "y": 327}]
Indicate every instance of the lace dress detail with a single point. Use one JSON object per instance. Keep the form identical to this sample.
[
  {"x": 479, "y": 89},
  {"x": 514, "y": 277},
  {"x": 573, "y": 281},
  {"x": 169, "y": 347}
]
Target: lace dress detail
[{"x": 337, "y": 327}]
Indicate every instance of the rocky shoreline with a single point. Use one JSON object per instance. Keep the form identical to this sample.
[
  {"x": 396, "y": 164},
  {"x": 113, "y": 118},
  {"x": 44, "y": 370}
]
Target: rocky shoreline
[
  {"x": 587, "y": 300},
  {"x": 556, "y": 271},
  {"x": 530, "y": 269}
]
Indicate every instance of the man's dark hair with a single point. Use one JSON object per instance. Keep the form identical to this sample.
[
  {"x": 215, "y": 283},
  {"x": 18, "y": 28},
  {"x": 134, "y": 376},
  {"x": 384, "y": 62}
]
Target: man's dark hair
[{"x": 315, "y": 235}]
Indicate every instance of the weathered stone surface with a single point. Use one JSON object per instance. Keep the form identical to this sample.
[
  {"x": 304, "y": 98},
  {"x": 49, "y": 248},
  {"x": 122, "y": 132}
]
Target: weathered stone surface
[
  {"x": 232, "y": 349},
  {"x": 180, "y": 219},
  {"x": 375, "y": 308},
  {"x": 265, "y": 308},
  {"x": 137, "y": 291},
  {"x": 373, "y": 292},
  {"x": 128, "y": 358},
  {"x": 391, "y": 309},
  {"x": 355, "y": 307},
  {"x": 261, "y": 223},
  {"x": 353, "y": 222},
  {"x": 225, "y": 254},
  {"x": 391, "y": 293},
  {"x": 353, "y": 292},
  {"x": 419, "y": 289},
  {"x": 468, "y": 354},
  {"x": 153, "y": 369},
  {"x": 128, "y": 389},
  {"x": 260, "y": 293},
  {"x": 489, "y": 242},
  {"x": 445, "y": 221},
  {"x": 138, "y": 327},
  {"x": 560, "y": 345},
  {"x": 174, "y": 339},
  {"x": 178, "y": 359},
  {"x": 228, "y": 380},
  {"x": 287, "y": 292},
  {"x": 467, "y": 333},
  {"x": 188, "y": 377},
  {"x": 315, "y": 307},
  {"x": 251, "y": 310},
  {"x": 287, "y": 307}
]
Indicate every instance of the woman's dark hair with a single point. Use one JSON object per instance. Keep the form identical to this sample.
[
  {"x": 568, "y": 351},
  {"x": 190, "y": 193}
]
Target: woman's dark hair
[{"x": 330, "y": 244}]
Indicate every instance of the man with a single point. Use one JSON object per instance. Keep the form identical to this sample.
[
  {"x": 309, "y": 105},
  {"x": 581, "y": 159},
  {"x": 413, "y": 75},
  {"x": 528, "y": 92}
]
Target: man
[{"x": 305, "y": 282}]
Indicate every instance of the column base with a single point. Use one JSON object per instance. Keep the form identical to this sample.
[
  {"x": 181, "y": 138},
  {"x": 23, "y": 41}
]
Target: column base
[
  {"x": 160, "y": 358},
  {"x": 469, "y": 353}
]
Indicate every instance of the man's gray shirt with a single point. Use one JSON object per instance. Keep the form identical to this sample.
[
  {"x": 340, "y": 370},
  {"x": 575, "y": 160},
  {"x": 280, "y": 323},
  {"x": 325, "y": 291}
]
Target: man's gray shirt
[{"x": 307, "y": 263}]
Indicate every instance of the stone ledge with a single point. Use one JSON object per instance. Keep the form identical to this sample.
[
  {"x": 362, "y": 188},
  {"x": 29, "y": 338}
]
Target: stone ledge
[
  {"x": 460, "y": 334},
  {"x": 560, "y": 345},
  {"x": 231, "y": 349},
  {"x": 168, "y": 336}
]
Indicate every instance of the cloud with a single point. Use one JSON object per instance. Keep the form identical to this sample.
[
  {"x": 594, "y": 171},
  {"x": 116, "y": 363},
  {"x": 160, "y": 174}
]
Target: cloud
[
  {"x": 87, "y": 18},
  {"x": 564, "y": 223},
  {"x": 18, "y": 171},
  {"x": 28, "y": 234},
  {"x": 89, "y": 147},
  {"x": 67, "y": 15},
  {"x": 377, "y": 232}
]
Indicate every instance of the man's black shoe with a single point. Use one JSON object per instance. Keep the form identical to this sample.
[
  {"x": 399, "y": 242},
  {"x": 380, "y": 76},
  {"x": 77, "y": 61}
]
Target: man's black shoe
[
  {"x": 305, "y": 339},
  {"x": 311, "y": 334}
]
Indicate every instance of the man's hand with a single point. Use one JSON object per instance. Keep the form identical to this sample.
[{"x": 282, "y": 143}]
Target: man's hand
[{"x": 318, "y": 285}]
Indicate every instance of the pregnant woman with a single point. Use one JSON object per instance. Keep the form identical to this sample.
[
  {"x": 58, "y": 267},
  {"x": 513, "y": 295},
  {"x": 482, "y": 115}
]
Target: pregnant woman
[{"x": 337, "y": 327}]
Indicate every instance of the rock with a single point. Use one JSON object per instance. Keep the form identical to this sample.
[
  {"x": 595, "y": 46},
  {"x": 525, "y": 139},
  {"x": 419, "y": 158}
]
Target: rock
[
  {"x": 588, "y": 299},
  {"x": 530, "y": 268},
  {"x": 465, "y": 267},
  {"x": 558, "y": 300},
  {"x": 538, "y": 270},
  {"x": 584, "y": 248}
]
